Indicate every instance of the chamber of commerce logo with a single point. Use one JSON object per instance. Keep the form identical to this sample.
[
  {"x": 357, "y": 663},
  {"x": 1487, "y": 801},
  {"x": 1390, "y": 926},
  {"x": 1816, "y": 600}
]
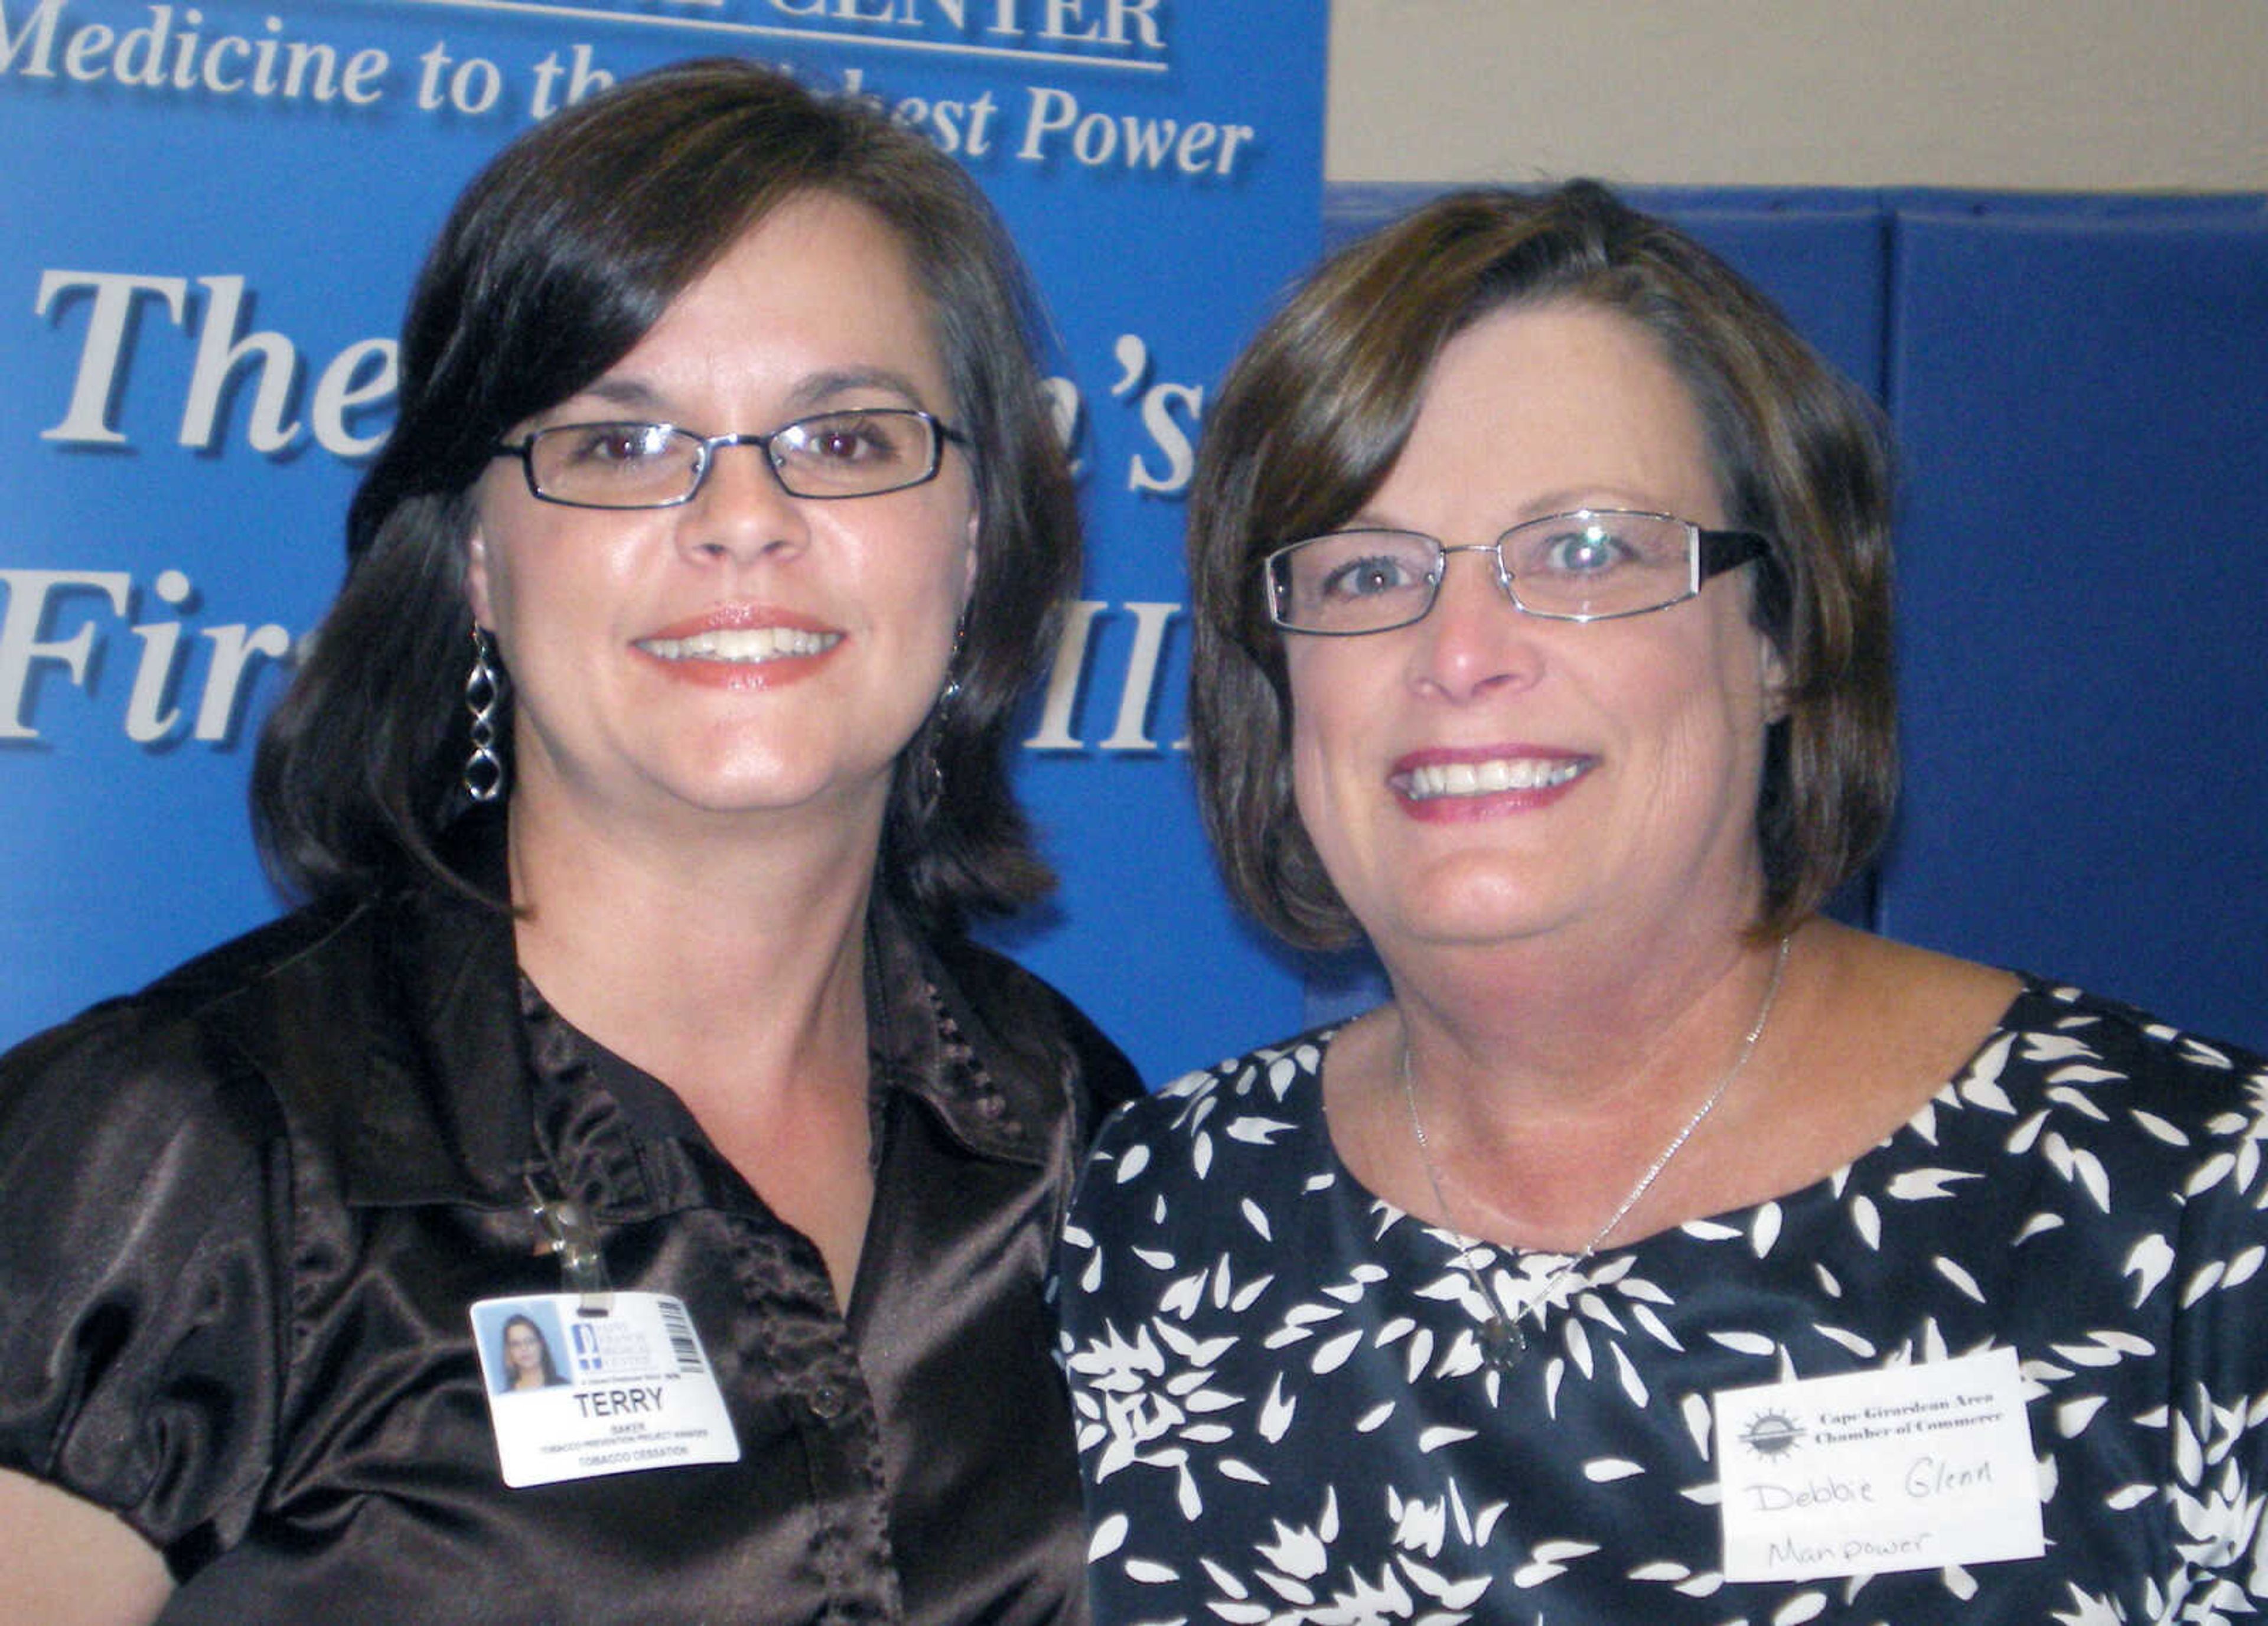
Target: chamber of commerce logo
[{"x": 1772, "y": 1434}]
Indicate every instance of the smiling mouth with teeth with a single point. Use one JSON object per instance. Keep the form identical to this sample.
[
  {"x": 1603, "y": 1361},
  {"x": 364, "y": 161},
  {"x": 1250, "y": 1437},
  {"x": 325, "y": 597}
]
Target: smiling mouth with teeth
[
  {"x": 742, "y": 645},
  {"x": 1438, "y": 779}
]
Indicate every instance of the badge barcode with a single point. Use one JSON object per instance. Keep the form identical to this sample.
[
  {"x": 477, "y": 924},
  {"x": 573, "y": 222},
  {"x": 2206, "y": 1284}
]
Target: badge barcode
[{"x": 674, "y": 1322}]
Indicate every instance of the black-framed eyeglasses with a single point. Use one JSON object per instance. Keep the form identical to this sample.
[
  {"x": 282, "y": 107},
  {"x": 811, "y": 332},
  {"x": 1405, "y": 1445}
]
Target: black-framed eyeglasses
[
  {"x": 865, "y": 452},
  {"x": 1591, "y": 564}
]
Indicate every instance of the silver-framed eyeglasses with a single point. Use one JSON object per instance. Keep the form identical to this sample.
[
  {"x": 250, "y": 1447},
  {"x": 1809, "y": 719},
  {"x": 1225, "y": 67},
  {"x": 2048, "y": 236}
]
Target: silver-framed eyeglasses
[
  {"x": 865, "y": 452},
  {"x": 1591, "y": 564}
]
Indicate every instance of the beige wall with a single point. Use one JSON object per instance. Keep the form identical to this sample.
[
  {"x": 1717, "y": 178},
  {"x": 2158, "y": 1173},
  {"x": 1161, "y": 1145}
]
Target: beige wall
[{"x": 2103, "y": 95}]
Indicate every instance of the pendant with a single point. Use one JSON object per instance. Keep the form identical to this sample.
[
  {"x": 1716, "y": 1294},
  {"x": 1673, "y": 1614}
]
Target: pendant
[{"x": 1502, "y": 1342}]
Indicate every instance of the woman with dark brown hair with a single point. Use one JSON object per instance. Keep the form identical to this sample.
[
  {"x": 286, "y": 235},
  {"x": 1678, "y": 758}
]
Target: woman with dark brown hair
[
  {"x": 1664, "y": 1251},
  {"x": 526, "y": 1355},
  {"x": 639, "y": 786}
]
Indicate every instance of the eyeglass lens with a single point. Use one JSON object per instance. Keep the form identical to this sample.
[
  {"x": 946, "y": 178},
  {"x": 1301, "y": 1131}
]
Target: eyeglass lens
[
  {"x": 1582, "y": 565},
  {"x": 631, "y": 464}
]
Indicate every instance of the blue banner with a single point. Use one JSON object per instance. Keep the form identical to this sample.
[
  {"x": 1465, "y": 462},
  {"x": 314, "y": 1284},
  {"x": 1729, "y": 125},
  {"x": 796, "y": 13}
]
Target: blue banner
[{"x": 215, "y": 212}]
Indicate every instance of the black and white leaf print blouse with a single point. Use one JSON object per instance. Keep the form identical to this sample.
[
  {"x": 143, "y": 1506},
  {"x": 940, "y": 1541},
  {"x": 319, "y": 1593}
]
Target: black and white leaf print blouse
[{"x": 1284, "y": 1415}]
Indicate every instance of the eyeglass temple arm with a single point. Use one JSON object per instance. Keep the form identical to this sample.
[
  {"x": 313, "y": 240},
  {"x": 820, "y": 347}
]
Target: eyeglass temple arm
[{"x": 1728, "y": 550}]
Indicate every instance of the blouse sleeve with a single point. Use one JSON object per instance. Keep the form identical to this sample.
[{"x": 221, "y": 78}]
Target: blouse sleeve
[
  {"x": 2213, "y": 1455},
  {"x": 142, "y": 1175}
]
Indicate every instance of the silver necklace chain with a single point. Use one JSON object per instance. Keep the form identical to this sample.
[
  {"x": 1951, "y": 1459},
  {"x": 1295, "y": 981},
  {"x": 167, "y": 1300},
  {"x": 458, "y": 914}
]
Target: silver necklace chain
[{"x": 1502, "y": 1342}]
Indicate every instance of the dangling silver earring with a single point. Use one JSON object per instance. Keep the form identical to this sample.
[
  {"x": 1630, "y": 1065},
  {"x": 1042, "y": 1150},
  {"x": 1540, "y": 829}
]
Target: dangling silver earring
[
  {"x": 929, "y": 776},
  {"x": 930, "y": 771},
  {"x": 484, "y": 774},
  {"x": 951, "y": 692}
]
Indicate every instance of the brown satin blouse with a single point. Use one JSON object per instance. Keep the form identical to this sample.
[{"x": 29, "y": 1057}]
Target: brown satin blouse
[{"x": 243, "y": 1215}]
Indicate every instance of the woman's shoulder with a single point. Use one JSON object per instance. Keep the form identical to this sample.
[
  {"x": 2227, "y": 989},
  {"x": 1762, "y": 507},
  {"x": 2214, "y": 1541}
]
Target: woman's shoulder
[
  {"x": 1224, "y": 1175},
  {"x": 314, "y": 1027},
  {"x": 1284, "y": 1075},
  {"x": 1251, "y": 1119},
  {"x": 162, "y": 1099},
  {"x": 1894, "y": 995},
  {"x": 2137, "y": 1120},
  {"x": 1900, "y": 1028},
  {"x": 1023, "y": 1025},
  {"x": 2056, "y": 1035},
  {"x": 166, "y": 1031},
  {"x": 143, "y": 1167}
]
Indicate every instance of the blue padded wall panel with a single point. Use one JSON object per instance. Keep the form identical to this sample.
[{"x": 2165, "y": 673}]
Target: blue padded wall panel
[
  {"x": 2082, "y": 401},
  {"x": 1821, "y": 253},
  {"x": 1822, "y": 256}
]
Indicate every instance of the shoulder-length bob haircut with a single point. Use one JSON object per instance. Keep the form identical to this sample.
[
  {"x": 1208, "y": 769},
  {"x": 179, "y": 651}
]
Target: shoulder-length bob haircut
[
  {"x": 1314, "y": 413},
  {"x": 556, "y": 261}
]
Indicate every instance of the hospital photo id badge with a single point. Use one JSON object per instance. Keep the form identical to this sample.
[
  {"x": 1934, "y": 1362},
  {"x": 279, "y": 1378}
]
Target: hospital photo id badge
[
  {"x": 1905, "y": 1468},
  {"x": 574, "y": 1395}
]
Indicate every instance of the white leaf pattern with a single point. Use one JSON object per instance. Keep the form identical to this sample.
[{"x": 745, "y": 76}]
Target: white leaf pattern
[
  {"x": 1655, "y": 1328},
  {"x": 1242, "y": 1299},
  {"x": 1924, "y": 1184},
  {"x": 1626, "y": 1371},
  {"x": 1223, "y": 1578},
  {"x": 1332, "y": 1355},
  {"x": 1421, "y": 1351},
  {"x": 1745, "y": 1343},
  {"x": 1765, "y": 1231},
  {"x": 1699, "y": 1423},
  {"x": 2161, "y": 1128},
  {"x": 1257, "y": 1131},
  {"x": 1275, "y": 1414},
  {"x": 1579, "y": 1347},
  {"x": 1108, "y": 1536},
  {"x": 2210, "y": 1174},
  {"x": 2039, "y": 1224},
  {"x": 2087, "y": 1190},
  {"x": 1959, "y": 1277},
  {"x": 2203, "y": 1283},
  {"x": 1861, "y": 1347},
  {"x": 1980, "y": 1081},
  {"x": 1868, "y": 1219}
]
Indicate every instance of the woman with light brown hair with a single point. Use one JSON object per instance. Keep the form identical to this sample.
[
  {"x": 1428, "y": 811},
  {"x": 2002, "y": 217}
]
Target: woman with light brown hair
[{"x": 1663, "y": 1250}]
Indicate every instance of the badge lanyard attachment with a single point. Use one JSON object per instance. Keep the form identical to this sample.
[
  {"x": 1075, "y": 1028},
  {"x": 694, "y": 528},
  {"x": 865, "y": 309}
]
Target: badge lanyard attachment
[{"x": 567, "y": 1233}]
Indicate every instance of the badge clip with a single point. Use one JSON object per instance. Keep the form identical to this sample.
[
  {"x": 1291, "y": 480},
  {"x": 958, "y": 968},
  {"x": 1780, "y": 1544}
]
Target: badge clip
[{"x": 582, "y": 1265}]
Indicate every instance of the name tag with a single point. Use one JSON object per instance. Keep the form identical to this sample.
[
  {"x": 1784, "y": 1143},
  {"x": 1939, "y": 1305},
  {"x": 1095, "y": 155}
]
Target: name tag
[
  {"x": 1907, "y": 1468},
  {"x": 573, "y": 1395}
]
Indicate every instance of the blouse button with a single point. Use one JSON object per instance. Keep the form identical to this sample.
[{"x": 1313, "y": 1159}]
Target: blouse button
[{"x": 826, "y": 1402}]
